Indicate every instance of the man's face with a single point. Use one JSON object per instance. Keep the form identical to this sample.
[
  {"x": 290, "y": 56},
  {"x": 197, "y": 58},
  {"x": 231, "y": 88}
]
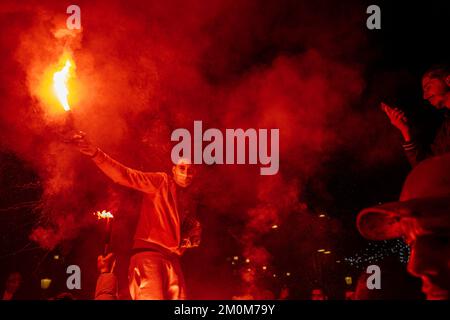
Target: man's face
[
  {"x": 430, "y": 259},
  {"x": 435, "y": 91},
  {"x": 183, "y": 173}
]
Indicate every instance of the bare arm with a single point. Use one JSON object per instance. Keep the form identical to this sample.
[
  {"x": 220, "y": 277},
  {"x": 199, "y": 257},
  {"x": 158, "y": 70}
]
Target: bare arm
[
  {"x": 107, "y": 287},
  {"x": 414, "y": 151}
]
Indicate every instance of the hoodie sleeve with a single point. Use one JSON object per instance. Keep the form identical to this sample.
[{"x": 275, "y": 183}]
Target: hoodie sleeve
[{"x": 148, "y": 182}]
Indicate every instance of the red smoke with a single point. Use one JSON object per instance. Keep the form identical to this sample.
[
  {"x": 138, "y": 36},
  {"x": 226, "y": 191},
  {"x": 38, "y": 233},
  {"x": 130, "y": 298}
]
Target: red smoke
[{"x": 149, "y": 67}]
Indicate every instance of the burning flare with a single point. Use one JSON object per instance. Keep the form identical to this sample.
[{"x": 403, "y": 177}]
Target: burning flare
[
  {"x": 60, "y": 79},
  {"x": 103, "y": 214}
]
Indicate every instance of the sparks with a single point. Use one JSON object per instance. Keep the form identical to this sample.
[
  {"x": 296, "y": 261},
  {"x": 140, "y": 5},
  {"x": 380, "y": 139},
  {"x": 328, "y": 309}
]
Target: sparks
[{"x": 103, "y": 214}]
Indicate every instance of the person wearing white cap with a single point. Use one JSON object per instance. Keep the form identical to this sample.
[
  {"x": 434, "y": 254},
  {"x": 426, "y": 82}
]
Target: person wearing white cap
[{"x": 422, "y": 218}]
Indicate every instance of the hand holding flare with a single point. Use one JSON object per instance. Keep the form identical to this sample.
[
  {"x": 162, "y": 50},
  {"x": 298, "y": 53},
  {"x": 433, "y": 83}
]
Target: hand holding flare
[{"x": 83, "y": 144}]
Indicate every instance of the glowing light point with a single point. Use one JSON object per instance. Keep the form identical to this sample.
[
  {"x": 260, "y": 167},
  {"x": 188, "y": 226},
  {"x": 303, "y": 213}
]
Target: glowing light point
[
  {"x": 103, "y": 214},
  {"x": 45, "y": 283}
]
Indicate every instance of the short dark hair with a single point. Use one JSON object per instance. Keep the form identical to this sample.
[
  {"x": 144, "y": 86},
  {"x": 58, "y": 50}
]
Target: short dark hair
[{"x": 438, "y": 71}]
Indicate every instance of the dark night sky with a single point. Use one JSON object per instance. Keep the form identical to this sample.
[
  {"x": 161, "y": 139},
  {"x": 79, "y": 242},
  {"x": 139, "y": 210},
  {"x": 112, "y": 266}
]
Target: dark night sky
[{"x": 337, "y": 158}]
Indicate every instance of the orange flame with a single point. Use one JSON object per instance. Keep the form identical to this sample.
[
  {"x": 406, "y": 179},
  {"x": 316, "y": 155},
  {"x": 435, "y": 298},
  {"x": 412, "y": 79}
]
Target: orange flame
[
  {"x": 60, "y": 79},
  {"x": 104, "y": 214}
]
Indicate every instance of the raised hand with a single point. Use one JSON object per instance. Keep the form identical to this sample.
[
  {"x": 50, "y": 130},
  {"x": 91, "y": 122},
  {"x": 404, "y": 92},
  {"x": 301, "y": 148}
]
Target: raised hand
[
  {"x": 106, "y": 264},
  {"x": 83, "y": 144},
  {"x": 398, "y": 120}
]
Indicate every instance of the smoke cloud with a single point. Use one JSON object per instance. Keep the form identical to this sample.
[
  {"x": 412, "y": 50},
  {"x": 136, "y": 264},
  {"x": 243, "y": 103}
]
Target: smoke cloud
[{"x": 145, "y": 68}]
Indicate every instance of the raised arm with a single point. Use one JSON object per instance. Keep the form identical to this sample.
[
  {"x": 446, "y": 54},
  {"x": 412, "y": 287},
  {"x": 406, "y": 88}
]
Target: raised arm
[
  {"x": 415, "y": 152},
  {"x": 107, "y": 286},
  {"x": 148, "y": 182}
]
